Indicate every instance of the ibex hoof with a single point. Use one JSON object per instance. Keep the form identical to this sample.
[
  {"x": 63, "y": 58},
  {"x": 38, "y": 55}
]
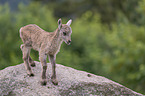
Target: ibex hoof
[
  {"x": 33, "y": 64},
  {"x": 43, "y": 82},
  {"x": 54, "y": 81},
  {"x": 31, "y": 75}
]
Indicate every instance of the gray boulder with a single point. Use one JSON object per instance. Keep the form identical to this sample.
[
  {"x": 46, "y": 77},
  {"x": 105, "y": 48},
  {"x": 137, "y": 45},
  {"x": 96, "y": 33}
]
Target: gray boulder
[{"x": 14, "y": 81}]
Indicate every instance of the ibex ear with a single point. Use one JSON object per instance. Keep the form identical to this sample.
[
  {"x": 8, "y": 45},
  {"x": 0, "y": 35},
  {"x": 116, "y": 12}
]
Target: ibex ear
[
  {"x": 69, "y": 22},
  {"x": 59, "y": 24}
]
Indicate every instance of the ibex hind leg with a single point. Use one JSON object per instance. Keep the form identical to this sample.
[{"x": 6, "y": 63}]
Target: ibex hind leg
[
  {"x": 31, "y": 62},
  {"x": 25, "y": 51}
]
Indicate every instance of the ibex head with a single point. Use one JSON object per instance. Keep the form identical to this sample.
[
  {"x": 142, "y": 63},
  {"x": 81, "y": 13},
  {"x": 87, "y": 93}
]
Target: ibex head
[{"x": 65, "y": 31}]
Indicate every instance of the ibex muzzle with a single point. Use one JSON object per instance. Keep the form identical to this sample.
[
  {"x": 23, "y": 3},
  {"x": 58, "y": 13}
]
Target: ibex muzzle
[{"x": 68, "y": 42}]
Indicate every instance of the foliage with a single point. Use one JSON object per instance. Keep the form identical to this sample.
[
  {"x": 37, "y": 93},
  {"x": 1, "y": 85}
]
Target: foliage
[
  {"x": 108, "y": 9},
  {"x": 117, "y": 53}
]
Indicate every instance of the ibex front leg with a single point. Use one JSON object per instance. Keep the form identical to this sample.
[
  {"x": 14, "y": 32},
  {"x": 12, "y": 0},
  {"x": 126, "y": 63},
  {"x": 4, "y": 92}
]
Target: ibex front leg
[
  {"x": 42, "y": 58},
  {"x": 53, "y": 77}
]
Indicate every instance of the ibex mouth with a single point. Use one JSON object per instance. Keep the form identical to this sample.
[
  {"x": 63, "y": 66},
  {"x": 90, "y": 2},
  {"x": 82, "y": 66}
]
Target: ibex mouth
[{"x": 68, "y": 43}]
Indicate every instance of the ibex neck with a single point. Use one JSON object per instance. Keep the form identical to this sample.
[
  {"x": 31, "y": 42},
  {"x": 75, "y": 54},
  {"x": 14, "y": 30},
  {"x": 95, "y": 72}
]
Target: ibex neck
[
  {"x": 57, "y": 36},
  {"x": 56, "y": 33}
]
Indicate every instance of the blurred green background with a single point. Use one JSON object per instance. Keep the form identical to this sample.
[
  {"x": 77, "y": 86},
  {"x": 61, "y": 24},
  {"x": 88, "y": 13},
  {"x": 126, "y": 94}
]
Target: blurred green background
[{"x": 108, "y": 36}]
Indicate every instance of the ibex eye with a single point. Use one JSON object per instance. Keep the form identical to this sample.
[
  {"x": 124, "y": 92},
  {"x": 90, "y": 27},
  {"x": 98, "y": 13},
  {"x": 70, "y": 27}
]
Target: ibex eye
[{"x": 64, "y": 33}]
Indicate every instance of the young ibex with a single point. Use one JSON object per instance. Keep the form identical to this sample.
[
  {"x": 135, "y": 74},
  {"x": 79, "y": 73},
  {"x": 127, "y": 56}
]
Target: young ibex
[{"x": 46, "y": 43}]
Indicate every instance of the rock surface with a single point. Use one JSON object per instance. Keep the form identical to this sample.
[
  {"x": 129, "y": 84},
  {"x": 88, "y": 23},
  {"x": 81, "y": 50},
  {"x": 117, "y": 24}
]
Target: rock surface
[{"x": 14, "y": 81}]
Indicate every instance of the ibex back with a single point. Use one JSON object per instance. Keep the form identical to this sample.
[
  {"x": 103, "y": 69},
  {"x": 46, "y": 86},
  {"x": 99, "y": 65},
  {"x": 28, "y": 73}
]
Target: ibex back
[{"x": 46, "y": 43}]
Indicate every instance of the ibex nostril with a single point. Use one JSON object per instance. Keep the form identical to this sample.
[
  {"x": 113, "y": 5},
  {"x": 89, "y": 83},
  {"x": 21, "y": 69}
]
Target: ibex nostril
[{"x": 69, "y": 41}]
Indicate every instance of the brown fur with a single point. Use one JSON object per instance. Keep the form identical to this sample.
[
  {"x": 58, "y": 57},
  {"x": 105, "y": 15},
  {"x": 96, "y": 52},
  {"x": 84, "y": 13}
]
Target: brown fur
[{"x": 46, "y": 43}]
